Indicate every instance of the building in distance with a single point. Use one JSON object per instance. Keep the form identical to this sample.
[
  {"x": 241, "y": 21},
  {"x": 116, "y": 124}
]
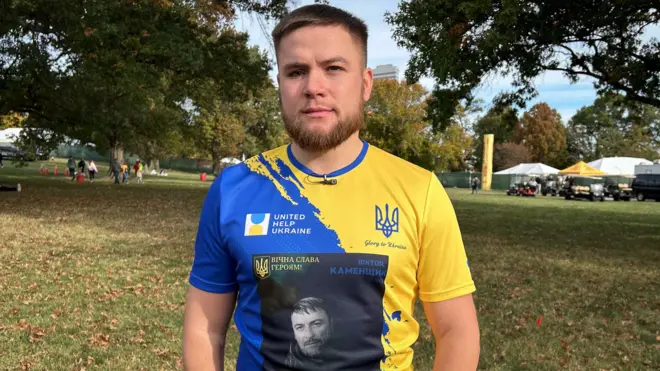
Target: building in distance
[{"x": 385, "y": 72}]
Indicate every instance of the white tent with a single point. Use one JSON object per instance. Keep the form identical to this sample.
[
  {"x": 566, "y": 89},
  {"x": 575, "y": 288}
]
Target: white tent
[
  {"x": 230, "y": 160},
  {"x": 619, "y": 165},
  {"x": 531, "y": 169}
]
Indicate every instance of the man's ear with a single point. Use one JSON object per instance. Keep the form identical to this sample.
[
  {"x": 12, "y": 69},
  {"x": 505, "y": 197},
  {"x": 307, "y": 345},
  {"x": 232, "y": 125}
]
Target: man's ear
[{"x": 367, "y": 82}]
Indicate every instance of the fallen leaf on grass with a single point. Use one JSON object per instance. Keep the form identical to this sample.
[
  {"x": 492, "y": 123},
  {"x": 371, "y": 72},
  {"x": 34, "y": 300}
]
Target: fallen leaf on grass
[
  {"x": 160, "y": 352},
  {"x": 139, "y": 339},
  {"x": 564, "y": 344},
  {"x": 100, "y": 340}
]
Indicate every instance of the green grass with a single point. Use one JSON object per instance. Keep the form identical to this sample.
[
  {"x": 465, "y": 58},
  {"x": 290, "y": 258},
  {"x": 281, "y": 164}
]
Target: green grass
[{"x": 94, "y": 275}]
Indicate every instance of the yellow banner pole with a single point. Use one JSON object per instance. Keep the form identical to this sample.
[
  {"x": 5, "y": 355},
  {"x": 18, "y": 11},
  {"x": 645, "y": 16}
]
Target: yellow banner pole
[{"x": 487, "y": 166}]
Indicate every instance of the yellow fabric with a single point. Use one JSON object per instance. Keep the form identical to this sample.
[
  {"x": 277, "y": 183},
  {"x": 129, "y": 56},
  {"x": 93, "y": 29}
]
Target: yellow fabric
[
  {"x": 581, "y": 168},
  {"x": 427, "y": 258}
]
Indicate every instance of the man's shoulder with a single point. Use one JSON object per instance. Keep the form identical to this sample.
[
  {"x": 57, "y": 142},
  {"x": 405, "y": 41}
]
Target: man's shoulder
[{"x": 398, "y": 167}]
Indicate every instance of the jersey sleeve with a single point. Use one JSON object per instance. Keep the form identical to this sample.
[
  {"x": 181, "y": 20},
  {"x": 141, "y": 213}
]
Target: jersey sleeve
[
  {"x": 443, "y": 271},
  {"x": 213, "y": 269}
]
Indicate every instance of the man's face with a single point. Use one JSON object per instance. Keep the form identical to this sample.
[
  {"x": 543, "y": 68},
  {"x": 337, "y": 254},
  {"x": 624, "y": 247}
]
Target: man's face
[
  {"x": 323, "y": 86},
  {"x": 311, "y": 331}
]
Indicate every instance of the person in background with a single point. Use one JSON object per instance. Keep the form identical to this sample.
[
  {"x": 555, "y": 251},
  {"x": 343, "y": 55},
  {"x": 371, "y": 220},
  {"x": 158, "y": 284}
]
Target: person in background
[
  {"x": 139, "y": 173},
  {"x": 1, "y": 164},
  {"x": 136, "y": 166},
  {"x": 81, "y": 165},
  {"x": 115, "y": 169},
  {"x": 92, "y": 170},
  {"x": 475, "y": 185},
  {"x": 124, "y": 173},
  {"x": 71, "y": 164}
]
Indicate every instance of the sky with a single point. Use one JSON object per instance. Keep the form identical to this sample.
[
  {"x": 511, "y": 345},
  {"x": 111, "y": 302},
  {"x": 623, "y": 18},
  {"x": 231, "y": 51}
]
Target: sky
[{"x": 552, "y": 86}]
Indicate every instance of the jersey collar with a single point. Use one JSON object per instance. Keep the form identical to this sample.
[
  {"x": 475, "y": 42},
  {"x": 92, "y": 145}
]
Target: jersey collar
[{"x": 336, "y": 173}]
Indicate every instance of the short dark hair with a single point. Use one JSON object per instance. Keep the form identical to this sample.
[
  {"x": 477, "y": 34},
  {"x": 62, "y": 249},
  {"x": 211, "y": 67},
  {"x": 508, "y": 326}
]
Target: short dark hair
[
  {"x": 321, "y": 15},
  {"x": 309, "y": 304}
]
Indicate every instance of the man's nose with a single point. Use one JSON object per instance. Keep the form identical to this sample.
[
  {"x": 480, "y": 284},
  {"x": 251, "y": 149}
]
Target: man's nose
[{"x": 315, "y": 84}]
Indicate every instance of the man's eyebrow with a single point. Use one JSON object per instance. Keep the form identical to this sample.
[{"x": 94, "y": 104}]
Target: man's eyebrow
[
  {"x": 304, "y": 66},
  {"x": 296, "y": 66},
  {"x": 335, "y": 60}
]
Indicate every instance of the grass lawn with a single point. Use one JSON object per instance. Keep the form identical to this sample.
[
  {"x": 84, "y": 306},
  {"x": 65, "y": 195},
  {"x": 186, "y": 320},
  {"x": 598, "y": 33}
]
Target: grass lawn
[{"x": 93, "y": 276}]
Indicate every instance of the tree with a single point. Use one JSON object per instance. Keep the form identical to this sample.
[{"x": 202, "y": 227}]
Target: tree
[
  {"x": 542, "y": 132},
  {"x": 453, "y": 149},
  {"x": 462, "y": 42},
  {"x": 506, "y": 155},
  {"x": 396, "y": 119},
  {"x": 117, "y": 74},
  {"x": 236, "y": 127},
  {"x": 613, "y": 126},
  {"x": 396, "y": 122},
  {"x": 221, "y": 131},
  {"x": 499, "y": 121},
  {"x": 11, "y": 120},
  {"x": 264, "y": 130}
]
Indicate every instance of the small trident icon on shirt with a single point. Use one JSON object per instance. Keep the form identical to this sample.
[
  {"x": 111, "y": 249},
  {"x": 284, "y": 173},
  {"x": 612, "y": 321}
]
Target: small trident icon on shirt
[{"x": 388, "y": 224}]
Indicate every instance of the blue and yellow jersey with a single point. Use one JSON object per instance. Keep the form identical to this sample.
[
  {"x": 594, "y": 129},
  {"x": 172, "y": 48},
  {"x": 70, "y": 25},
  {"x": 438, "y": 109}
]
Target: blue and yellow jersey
[{"x": 327, "y": 274}]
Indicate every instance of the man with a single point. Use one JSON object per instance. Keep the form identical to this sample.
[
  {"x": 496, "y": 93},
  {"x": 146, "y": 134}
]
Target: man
[
  {"x": 475, "y": 185},
  {"x": 312, "y": 328},
  {"x": 81, "y": 165},
  {"x": 71, "y": 164},
  {"x": 114, "y": 169},
  {"x": 328, "y": 213}
]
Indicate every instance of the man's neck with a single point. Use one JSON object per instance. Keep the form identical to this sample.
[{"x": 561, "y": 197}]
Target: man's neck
[{"x": 332, "y": 160}]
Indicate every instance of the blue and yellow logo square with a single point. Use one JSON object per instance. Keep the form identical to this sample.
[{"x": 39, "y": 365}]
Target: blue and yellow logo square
[{"x": 257, "y": 224}]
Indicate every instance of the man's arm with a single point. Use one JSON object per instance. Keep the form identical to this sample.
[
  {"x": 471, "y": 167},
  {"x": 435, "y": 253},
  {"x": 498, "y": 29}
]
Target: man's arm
[
  {"x": 456, "y": 331},
  {"x": 206, "y": 319}
]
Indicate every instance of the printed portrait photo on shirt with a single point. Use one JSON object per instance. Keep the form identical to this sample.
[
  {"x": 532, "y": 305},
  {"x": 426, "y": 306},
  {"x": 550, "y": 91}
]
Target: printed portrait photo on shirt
[{"x": 304, "y": 327}]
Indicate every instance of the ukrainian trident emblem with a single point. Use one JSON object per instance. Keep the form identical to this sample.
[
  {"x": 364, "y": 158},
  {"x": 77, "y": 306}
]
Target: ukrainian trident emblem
[
  {"x": 261, "y": 265},
  {"x": 387, "y": 223}
]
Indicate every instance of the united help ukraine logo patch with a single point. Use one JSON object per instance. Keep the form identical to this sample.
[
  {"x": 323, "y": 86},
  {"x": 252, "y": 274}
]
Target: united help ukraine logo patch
[{"x": 257, "y": 224}]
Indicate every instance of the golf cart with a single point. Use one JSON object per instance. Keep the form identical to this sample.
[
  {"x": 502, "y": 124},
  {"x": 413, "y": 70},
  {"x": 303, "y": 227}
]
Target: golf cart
[
  {"x": 550, "y": 186},
  {"x": 524, "y": 189},
  {"x": 619, "y": 188},
  {"x": 587, "y": 187}
]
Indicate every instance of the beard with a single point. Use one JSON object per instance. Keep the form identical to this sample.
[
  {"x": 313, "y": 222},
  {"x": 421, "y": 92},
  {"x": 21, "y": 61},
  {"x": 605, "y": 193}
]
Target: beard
[{"x": 318, "y": 141}]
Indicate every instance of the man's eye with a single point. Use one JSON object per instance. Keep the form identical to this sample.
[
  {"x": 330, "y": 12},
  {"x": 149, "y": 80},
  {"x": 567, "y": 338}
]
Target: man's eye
[
  {"x": 334, "y": 68},
  {"x": 295, "y": 73}
]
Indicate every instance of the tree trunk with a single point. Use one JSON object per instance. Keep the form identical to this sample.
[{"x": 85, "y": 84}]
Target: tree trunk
[
  {"x": 216, "y": 162},
  {"x": 118, "y": 152},
  {"x": 153, "y": 164}
]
